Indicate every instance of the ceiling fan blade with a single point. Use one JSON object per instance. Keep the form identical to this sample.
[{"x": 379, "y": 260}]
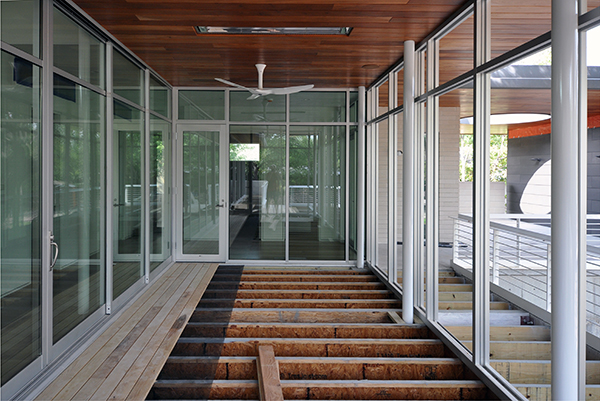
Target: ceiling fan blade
[
  {"x": 254, "y": 96},
  {"x": 226, "y": 82},
  {"x": 290, "y": 89}
]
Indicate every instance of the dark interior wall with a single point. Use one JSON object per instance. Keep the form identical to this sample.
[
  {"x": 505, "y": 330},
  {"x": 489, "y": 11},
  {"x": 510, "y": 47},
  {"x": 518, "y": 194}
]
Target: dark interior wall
[{"x": 522, "y": 165}]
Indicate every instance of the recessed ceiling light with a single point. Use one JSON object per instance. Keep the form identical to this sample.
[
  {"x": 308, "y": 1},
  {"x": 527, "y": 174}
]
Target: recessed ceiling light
[
  {"x": 505, "y": 119},
  {"x": 231, "y": 30}
]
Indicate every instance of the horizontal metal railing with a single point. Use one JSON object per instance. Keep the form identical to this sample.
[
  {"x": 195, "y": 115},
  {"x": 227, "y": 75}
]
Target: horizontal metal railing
[{"x": 520, "y": 259}]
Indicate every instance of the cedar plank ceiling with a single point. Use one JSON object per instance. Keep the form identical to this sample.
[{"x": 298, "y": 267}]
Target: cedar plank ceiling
[{"x": 161, "y": 33}]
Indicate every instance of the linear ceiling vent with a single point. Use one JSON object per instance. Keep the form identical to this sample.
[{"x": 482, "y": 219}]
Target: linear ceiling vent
[{"x": 230, "y": 30}]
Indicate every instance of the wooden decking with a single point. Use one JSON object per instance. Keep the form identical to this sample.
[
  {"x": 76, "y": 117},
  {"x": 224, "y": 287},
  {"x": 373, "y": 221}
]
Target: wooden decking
[{"x": 125, "y": 360}]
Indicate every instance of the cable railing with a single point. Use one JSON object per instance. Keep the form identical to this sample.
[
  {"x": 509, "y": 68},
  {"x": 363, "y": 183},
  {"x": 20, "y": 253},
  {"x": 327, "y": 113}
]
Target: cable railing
[{"x": 520, "y": 259}]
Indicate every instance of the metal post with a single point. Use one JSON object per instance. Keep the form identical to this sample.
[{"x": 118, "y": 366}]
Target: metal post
[
  {"x": 481, "y": 187},
  {"x": 565, "y": 188},
  {"x": 360, "y": 178},
  {"x": 548, "y": 277},
  {"x": 109, "y": 178},
  {"x": 408, "y": 186},
  {"x": 582, "y": 210},
  {"x": 392, "y": 178}
]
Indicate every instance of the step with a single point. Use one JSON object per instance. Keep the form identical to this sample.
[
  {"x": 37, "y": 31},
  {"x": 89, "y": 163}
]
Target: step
[
  {"x": 455, "y": 288},
  {"x": 306, "y": 330},
  {"x": 313, "y": 347},
  {"x": 294, "y": 271},
  {"x": 291, "y": 315},
  {"x": 542, "y": 392},
  {"x": 297, "y": 294},
  {"x": 268, "y": 277},
  {"x": 311, "y": 368},
  {"x": 539, "y": 372},
  {"x": 468, "y": 305},
  {"x": 301, "y": 303},
  {"x": 324, "y": 390},
  {"x": 505, "y": 333},
  {"x": 455, "y": 296},
  {"x": 384, "y": 389},
  {"x": 287, "y": 285},
  {"x": 517, "y": 350}
]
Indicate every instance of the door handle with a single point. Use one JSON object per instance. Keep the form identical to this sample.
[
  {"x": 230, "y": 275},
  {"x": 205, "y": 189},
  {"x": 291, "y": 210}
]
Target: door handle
[
  {"x": 55, "y": 256},
  {"x": 222, "y": 203}
]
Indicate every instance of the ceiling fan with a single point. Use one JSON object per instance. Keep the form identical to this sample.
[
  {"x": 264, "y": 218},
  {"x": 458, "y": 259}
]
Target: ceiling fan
[{"x": 260, "y": 91}]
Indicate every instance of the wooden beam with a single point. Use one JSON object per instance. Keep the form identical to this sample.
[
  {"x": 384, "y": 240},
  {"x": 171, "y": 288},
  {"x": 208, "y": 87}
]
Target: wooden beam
[{"x": 269, "y": 384}]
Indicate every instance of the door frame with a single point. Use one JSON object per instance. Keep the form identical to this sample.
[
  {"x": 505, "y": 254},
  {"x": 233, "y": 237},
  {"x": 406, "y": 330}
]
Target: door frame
[{"x": 223, "y": 192}]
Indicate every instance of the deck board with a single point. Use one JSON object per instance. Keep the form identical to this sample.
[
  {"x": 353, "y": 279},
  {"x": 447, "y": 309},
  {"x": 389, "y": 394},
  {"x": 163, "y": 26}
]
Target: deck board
[{"x": 120, "y": 363}]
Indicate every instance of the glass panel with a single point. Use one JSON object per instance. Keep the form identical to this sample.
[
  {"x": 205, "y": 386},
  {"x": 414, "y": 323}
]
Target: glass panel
[
  {"x": 384, "y": 98},
  {"x": 455, "y": 183},
  {"x": 401, "y": 87},
  {"x": 160, "y": 97},
  {"x": 160, "y": 204},
  {"x": 78, "y": 277},
  {"x": 257, "y": 192},
  {"x": 20, "y": 268},
  {"x": 317, "y": 169},
  {"x": 353, "y": 191},
  {"x": 263, "y": 109},
  {"x": 382, "y": 195},
  {"x": 399, "y": 200},
  {"x": 318, "y": 107},
  {"x": 515, "y": 22},
  {"x": 128, "y": 126},
  {"x": 201, "y": 192},
  {"x": 520, "y": 192},
  {"x": 593, "y": 182},
  {"x": 20, "y": 25},
  {"x": 77, "y": 52},
  {"x": 201, "y": 105},
  {"x": 128, "y": 79},
  {"x": 456, "y": 51},
  {"x": 353, "y": 107}
]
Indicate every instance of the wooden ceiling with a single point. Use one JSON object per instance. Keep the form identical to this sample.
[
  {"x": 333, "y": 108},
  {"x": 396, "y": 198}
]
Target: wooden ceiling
[{"x": 162, "y": 34}]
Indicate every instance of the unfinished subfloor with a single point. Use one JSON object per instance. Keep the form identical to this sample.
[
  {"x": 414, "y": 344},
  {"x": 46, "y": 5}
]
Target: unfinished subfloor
[{"x": 289, "y": 333}]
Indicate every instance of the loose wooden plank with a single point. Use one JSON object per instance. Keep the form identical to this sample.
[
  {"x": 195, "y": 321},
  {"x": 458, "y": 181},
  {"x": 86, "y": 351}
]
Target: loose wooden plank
[
  {"x": 395, "y": 317},
  {"x": 269, "y": 385}
]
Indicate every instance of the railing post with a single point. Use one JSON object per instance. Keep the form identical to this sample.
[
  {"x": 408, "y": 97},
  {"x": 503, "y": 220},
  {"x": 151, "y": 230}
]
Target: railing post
[
  {"x": 455, "y": 241},
  {"x": 495, "y": 251},
  {"x": 549, "y": 278},
  {"x": 518, "y": 243}
]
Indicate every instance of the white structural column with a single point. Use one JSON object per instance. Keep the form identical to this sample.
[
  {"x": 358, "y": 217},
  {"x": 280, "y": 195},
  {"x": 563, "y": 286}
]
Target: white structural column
[
  {"x": 392, "y": 177},
  {"x": 360, "y": 178},
  {"x": 565, "y": 238},
  {"x": 408, "y": 184}
]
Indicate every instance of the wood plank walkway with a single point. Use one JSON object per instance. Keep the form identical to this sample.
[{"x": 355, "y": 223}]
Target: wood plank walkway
[{"x": 125, "y": 360}]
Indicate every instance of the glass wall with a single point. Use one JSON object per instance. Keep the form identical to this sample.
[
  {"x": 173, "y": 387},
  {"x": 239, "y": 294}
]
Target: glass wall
[
  {"x": 20, "y": 25},
  {"x": 317, "y": 169},
  {"x": 20, "y": 266},
  {"x": 257, "y": 225},
  {"x": 128, "y": 128},
  {"x": 201, "y": 105},
  {"x": 382, "y": 196},
  {"x": 159, "y": 204},
  {"x": 77, "y": 52},
  {"x": 128, "y": 79}
]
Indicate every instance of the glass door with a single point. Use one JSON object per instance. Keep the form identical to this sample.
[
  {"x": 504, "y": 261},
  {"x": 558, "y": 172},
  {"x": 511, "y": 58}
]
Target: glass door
[
  {"x": 78, "y": 275},
  {"x": 202, "y": 208}
]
